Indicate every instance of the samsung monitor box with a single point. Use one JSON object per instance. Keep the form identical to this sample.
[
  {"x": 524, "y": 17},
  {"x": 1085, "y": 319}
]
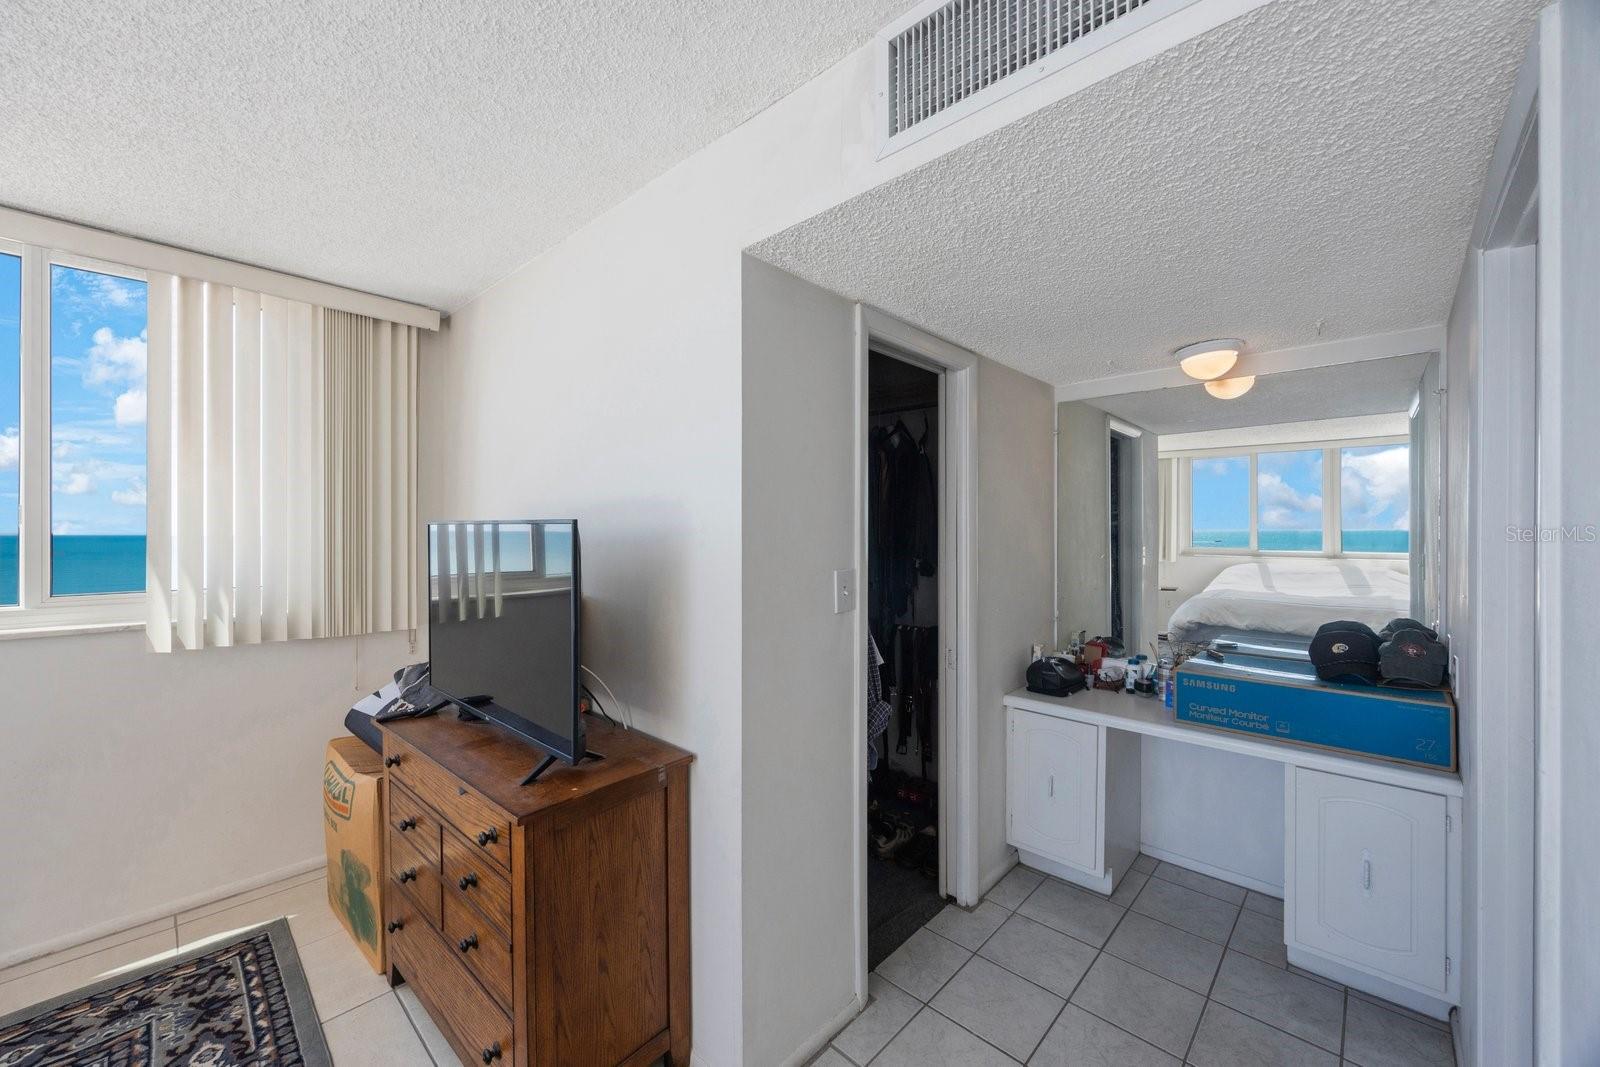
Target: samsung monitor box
[
  {"x": 1284, "y": 700},
  {"x": 352, "y": 829}
]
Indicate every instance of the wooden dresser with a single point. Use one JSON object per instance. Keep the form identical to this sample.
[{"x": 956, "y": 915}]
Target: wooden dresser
[{"x": 545, "y": 924}]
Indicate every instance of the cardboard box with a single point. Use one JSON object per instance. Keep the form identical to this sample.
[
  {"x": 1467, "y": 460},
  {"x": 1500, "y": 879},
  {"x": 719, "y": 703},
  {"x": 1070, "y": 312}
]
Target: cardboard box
[
  {"x": 1286, "y": 701},
  {"x": 352, "y": 828}
]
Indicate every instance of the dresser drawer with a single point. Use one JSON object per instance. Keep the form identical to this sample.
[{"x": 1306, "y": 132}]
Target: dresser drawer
[
  {"x": 411, "y": 819},
  {"x": 485, "y": 950},
  {"x": 475, "y": 1025},
  {"x": 415, "y": 875},
  {"x": 482, "y": 823},
  {"x": 470, "y": 877}
]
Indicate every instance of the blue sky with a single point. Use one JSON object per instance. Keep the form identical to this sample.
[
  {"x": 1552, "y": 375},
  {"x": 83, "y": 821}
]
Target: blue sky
[
  {"x": 1375, "y": 488},
  {"x": 97, "y": 402},
  {"x": 1289, "y": 490},
  {"x": 1222, "y": 493},
  {"x": 10, "y": 385}
]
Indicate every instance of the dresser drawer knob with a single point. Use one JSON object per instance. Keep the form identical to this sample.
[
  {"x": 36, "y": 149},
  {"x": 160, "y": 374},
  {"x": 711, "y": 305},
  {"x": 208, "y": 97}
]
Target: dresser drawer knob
[
  {"x": 408, "y": 875},
  {"x": 491, "y": 834},
  {"x": 491, "y": 1053},
  {"x": 395, "y": 926},
  {"x": 408, "y": 824},
  {"x": 468, "y": 881},
  {"x": 391, "y": 761},
  {"x": 467, "y": 943}
]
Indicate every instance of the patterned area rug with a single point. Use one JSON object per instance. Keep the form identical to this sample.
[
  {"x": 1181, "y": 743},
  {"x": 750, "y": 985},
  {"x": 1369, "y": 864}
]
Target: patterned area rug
[{"x": 242, "y": 1002}]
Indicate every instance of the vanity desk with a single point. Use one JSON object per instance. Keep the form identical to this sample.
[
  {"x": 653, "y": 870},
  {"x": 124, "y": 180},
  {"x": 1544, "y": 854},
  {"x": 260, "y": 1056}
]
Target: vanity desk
[{"x": 1372, "y": 849}]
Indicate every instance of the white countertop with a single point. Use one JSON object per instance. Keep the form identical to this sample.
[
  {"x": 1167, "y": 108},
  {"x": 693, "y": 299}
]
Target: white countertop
[{"x": 1147, "y": 715}]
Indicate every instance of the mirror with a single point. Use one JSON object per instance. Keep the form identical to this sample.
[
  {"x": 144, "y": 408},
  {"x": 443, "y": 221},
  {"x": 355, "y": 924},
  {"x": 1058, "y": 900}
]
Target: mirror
[{"x": 1314, "y": 496}]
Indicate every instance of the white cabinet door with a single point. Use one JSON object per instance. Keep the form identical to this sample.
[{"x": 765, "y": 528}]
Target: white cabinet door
[
  {"x": 1054, "y": 782},
  {"x": 1370, "y": 878}
]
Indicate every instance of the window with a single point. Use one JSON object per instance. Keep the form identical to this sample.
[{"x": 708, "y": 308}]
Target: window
[
  {"x": 1375, "y": 498},
  {"x": 1220, "y": 494},
  {"x": 72, "y": 440},
  {"x": 1289, "y": 501},
  {"x": 1339, "y": 498},
  {"x": 97, "y": 433},
  {"x": 10, "y": 422}
]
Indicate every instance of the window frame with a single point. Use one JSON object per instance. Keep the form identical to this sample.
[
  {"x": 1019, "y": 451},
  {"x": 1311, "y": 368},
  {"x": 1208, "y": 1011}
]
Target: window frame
[
  {"x": 38, "y": 611},
  {"x": 1332, "y": 509}
]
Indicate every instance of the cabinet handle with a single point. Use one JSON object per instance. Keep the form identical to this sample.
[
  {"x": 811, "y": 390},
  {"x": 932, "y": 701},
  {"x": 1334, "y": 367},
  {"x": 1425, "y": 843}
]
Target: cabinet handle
[
  {"x": 1052, "y": 786},
  {"x": 468, "y": 942},
  {"x": 1366, "y": 872},
  {"x": 395, "y": 925},
  {"x": 391, "y": 761},
  {"x": 406, "y": 824},
  {"x": 491, "y": 834},
  {"x": 409, "y": 874},
  {"x": 467, "y": 881},
  {"x": 491, "y": 1053}
]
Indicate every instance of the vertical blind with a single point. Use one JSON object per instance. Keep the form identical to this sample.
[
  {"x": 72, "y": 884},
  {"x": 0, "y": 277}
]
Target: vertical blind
[{"x": 282, "y": 469}]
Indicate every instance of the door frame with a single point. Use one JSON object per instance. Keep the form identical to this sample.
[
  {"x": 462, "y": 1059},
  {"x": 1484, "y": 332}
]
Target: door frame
[{"x": 958, "y": 400}]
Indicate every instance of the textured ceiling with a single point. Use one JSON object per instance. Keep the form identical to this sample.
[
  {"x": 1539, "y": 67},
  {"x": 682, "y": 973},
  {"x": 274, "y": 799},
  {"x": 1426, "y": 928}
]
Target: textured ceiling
[
  {"x": 1371, "y": 387},
  {"x": 1306, "y": 172},
  {"x": 417, "y": 148}
]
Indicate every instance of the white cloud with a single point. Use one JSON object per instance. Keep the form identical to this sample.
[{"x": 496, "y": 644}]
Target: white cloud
[
  {"x": 130, "y": 408},
  {"x": 63, "y": 527},
  {"x": 73, "y": 483},
  {"x": 118, "y": 292},
  {"x": 116, "y": 359},
  {"x": 1285, "y": 507},
  {"x": 1373, "y": 483},
  {"x": 10, "y": 446},
  {"x": 132, "y": 497}
]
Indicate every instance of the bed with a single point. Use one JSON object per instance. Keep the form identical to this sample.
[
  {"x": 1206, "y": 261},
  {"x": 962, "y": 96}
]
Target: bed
[{"x": 1293, "y": 597}]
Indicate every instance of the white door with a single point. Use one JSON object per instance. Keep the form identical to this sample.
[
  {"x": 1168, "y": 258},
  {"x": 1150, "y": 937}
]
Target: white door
[
  {"x": 1054, "y": 788},
  {"x": 1370, "y": 880}
]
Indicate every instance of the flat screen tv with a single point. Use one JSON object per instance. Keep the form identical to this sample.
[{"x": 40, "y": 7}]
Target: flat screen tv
[{"x": 504, "y": 607}]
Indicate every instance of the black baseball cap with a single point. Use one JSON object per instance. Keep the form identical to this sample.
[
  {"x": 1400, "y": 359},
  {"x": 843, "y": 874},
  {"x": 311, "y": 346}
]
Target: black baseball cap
[{"x": 1346, "y": 651}]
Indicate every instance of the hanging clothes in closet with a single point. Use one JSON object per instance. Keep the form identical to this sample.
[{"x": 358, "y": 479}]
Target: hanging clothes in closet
[{"x": 904, "y": 532}]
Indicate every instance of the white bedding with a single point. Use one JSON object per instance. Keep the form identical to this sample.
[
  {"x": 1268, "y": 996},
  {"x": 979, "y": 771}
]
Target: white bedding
[{"x": 1295, "y": 596}]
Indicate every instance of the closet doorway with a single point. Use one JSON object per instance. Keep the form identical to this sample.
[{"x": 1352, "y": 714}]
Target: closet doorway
[
  {"x": 951, "y": 725},
  {"x": 905, "y": 843}
]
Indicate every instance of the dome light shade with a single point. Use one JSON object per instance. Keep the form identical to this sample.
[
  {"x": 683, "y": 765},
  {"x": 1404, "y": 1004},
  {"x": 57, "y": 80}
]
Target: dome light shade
[
  {"x": 1231, "y": 388},
  {"x": 1206, "y": 360}
]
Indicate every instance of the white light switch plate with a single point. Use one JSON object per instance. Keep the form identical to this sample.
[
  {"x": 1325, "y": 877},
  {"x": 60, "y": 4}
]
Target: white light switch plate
[{"x": 844, "y": 592}]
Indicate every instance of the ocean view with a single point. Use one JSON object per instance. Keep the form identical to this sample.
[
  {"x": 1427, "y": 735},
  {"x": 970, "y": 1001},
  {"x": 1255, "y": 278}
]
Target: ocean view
[
  {"x": 81, "y": 564},
  {"x": 1305, "y": 540}
]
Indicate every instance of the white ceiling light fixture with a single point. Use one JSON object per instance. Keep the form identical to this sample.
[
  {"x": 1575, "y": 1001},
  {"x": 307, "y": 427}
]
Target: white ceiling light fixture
[
  {"x": 1206, "y": 360},
  {"x": 1231, "y": 388}
]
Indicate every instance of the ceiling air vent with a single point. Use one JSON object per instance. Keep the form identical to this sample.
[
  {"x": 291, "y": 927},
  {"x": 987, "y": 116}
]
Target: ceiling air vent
[{"x": 942, "y": 55}]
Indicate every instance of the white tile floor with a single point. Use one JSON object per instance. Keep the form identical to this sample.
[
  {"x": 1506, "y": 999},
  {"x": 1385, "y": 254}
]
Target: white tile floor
[
  {"x": 366, "y": 1022},
  {"x": 1175, "y": 967}
]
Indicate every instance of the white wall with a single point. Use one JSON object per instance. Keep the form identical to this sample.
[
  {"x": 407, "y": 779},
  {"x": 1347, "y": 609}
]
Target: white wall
[
  {"x": 800, "y": 770},
  {"x": 605, "y": 380},
  {"x": 133, "y": 781},
  {"x": 1013, "y": 558}
]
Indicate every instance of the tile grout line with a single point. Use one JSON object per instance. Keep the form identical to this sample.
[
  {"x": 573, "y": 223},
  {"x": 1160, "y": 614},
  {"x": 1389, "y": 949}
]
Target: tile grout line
[
  {"x": 1211, "y": 987},
  {"x": 1208, "y": 999},
  {"x": 428, "y": 1051}
]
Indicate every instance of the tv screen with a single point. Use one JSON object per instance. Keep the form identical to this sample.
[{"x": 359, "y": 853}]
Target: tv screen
[{"x": 503, "y": 623}]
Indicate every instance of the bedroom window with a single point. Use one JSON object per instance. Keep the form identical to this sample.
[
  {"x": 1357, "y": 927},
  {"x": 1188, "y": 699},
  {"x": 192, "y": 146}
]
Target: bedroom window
[
  {"x": 72, "y": 442},
  {"x": 1337, "y": 498},
  {"x": 1375, "y": 498},
  {"x": 1220, "y": 499},
  {"x": 1289, "y": 501}
]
